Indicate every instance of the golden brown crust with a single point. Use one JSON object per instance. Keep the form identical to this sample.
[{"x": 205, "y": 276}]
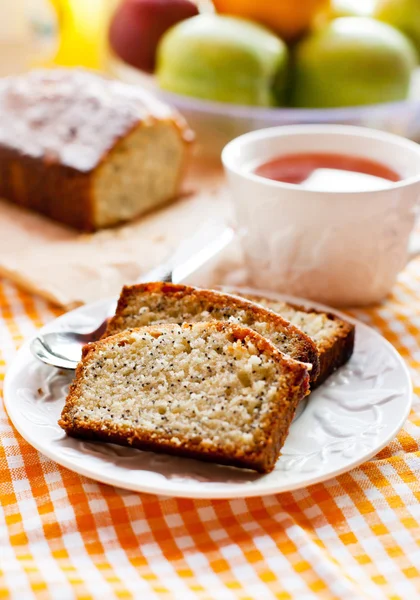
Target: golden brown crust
[
  {"x": 59, "y": 192},
  {"x": 334, "y": 351},
  {"x": 276, "y": 426},
  {"x": 305, "y": 349},
  {"x": 52, "y": 189},
  {"x": 335, "y": 355}
]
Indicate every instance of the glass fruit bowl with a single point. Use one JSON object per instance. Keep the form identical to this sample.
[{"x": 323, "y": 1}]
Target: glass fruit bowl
[{"x": 217, "y": 123}]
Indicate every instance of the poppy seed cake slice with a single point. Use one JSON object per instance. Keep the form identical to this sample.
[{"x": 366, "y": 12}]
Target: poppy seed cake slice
[
  {"x": 154, "y": 303},
  {"x": 334, "y": 337},
  {"x": 214, "y": 391}
]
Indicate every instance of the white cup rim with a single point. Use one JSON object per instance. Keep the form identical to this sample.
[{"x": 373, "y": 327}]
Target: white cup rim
[{"x": 231, "y": 163}]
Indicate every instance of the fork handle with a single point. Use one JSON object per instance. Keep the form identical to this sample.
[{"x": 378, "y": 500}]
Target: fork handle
[{"x": 160, "y": 273}]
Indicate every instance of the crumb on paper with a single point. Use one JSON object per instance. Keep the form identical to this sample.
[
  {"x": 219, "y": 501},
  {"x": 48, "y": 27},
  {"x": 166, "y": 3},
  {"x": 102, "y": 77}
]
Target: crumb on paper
[{"x": 159, "y": 238}]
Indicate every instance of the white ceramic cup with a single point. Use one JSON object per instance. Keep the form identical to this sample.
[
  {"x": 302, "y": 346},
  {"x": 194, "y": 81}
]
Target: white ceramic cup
[{"x": 342, "y": 248}]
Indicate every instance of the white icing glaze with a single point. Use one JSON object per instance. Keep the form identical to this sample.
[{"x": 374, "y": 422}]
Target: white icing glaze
[{"x": 73, "y": 116}]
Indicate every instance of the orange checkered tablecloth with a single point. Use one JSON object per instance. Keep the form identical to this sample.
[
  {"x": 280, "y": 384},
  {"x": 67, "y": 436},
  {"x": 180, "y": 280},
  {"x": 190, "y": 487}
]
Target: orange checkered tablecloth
[{"x": 357, "y": 536}]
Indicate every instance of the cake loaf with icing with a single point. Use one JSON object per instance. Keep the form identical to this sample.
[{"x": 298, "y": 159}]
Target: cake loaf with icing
[{"x": 87, "y": 151}]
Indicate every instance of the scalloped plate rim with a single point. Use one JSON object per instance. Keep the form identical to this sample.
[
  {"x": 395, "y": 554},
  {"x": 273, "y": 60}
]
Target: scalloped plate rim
[{"x": 228, "y": 491}]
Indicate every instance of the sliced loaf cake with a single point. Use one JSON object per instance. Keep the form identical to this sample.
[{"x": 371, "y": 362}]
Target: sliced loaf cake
[
  {"x": 333, "y": 336},
  {"x": 88, "y": 151},
  {"x": 214, "y": 391},
  {"x": 149, "y": 303}
]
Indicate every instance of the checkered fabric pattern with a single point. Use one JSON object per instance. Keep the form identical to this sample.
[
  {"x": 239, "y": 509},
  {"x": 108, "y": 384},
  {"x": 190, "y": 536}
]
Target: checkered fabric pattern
[{"x": 354, "y": 537}]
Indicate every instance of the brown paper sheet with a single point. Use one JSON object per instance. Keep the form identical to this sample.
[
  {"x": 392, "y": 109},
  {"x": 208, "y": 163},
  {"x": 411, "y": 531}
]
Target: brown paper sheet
[{"x": 69, "y": 268}]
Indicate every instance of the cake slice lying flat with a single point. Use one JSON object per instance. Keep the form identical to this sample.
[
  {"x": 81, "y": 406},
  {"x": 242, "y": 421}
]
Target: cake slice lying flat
[
  {"x": 149, "y": 303},
  {"x": 334, "y": 337},
  {"x": 214, "y": 391}
]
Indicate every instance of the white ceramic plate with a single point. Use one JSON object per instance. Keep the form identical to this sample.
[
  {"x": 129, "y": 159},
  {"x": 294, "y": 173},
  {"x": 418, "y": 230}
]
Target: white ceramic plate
[{"x": 345, "y": 422}]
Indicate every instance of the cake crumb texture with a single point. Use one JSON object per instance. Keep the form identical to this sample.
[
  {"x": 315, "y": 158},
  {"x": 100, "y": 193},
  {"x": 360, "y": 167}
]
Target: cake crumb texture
[
  {"x": 334, "y": 337},
  {"x": 215, "y": 391},
  {"x": 149, "y": 303}
]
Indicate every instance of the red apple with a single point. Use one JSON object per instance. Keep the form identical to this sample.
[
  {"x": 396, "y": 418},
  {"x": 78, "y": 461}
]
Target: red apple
[{"x": 138, "y": 25}]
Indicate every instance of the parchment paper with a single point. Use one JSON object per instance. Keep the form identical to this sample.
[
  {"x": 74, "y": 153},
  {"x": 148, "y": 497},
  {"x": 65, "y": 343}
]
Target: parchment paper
[{"x": 69, "y": 268}]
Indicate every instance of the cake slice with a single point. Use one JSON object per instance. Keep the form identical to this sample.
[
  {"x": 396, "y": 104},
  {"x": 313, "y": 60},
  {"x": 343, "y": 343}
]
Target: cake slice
[
  {"x": 148, "y": 303},
  {"x": 334, "y": 337},
  {"x": 214, "y": 391}
]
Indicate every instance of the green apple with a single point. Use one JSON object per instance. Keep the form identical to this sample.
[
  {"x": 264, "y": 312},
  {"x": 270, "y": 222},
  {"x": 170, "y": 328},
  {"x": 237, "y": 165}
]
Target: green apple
[
  {"x": 351, "y": 8},
  {"x": 223, "y": 58},
  {"x": 402, "y": 14},
  {"x": 352, "y": 61}
]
